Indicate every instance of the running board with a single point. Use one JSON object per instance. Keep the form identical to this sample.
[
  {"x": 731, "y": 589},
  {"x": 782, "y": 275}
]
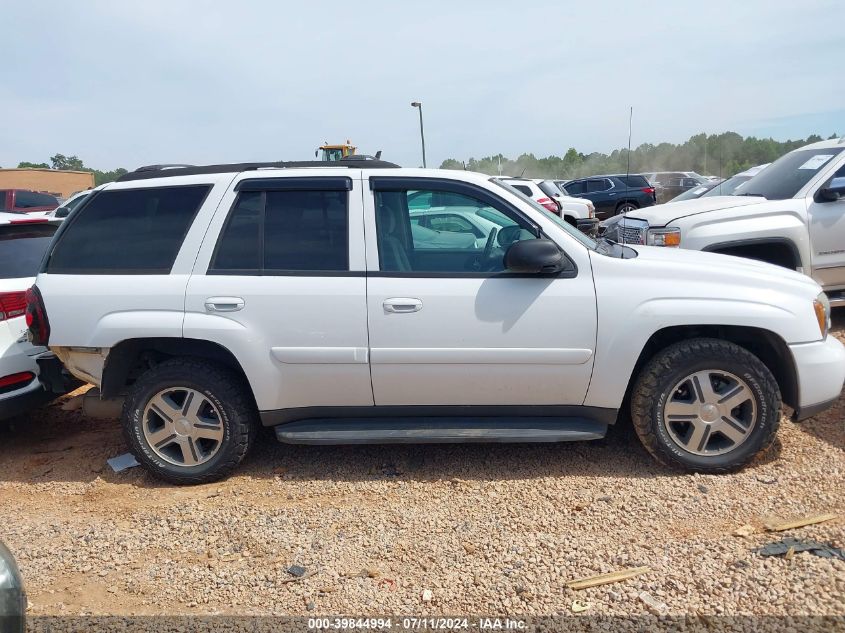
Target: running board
[
  {"x": 836, "y": 298},
  {"x": 438, "y": 430}
]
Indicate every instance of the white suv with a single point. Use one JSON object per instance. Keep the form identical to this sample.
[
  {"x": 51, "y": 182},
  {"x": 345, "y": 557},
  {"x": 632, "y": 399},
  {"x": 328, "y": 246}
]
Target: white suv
[
  {"x": 208, "y": 300},
  {"x": 579, "y": 212}
]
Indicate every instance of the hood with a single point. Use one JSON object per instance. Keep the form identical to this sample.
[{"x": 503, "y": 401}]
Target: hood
[
  {"x": 758, "y": 275},
  {"x": 663, "y": 214}
]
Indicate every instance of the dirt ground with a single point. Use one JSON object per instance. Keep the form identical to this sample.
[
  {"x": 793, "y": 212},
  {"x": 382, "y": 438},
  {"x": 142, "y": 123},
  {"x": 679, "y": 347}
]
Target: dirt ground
[{"x": 484, "y": 529}]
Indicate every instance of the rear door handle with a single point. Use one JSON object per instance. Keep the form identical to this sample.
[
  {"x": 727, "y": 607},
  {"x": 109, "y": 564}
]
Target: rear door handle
[
  {"x": 224, "y": 304},
  {"x": 402, "y": 304}
]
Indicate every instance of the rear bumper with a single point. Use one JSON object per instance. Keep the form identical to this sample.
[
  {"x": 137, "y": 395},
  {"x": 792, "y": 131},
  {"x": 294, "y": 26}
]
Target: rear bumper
[
  {"x": 820, "y": 367},
  {"x": 55, "y": 379},
  {"x": 52, "y": 381},
  {"x": 20, "y": 402}
]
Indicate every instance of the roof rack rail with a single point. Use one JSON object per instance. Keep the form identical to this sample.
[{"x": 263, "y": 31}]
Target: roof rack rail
[
  {"x": 163, "y": 166},
  {"x": 165, "y": 171}
]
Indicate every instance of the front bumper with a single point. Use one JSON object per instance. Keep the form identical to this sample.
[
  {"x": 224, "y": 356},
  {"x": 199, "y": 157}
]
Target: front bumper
[{"x": 820, "y": 367}]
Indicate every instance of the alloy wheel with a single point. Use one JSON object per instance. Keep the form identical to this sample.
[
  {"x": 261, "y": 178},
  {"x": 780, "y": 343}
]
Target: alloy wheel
[
  {"x": 710, "y": 412},
  {"x": 182, "y": 426}
]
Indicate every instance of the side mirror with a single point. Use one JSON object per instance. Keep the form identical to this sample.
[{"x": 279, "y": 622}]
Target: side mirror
[
  {"x": 539, "y": 256},
  {"x": 833, "y": 192},
  {"x": 12, "y": 594},
  {"x": 62, "y": 212}
]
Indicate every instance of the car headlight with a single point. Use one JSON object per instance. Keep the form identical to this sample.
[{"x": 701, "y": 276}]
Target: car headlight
[
  {"x": 670, "y": 236},
  {"x": 821, "y": 306},
  {"x": 12, "y": 594},
  {"x": 591, "y": 208}
]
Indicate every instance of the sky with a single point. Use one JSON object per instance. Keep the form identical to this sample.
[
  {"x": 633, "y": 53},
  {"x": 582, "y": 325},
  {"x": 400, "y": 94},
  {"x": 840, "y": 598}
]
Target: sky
[{"x": 122, "y": 84}]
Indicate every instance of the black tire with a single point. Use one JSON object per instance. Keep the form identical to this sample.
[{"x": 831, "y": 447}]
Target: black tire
[
  {"x": 655, "y": 386},
  {"x": 626, "y": 207},
  {"x": 222, "y": 388}
]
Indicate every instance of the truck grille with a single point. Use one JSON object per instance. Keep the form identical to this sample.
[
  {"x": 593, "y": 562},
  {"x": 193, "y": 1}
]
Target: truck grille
[{"x": 631, "y": 235}]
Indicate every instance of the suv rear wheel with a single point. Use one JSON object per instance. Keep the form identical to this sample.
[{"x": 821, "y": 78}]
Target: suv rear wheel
[
  {"x": 189, "y": 421},
  {"x": 706, "y": 405},
  {"x": 626, "y": 207}
]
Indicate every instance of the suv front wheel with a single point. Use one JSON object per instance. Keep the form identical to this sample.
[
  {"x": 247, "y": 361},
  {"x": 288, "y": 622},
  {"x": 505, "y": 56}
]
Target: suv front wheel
[
  {"x": 189, "y": 421},
  {"x": 706, "y": 405}
]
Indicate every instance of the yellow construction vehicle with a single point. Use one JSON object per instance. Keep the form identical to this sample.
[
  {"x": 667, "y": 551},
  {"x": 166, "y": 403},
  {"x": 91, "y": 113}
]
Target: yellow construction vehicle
[
  {"x": 336, "y": 152},
  {"x": 342, "y": 151}
]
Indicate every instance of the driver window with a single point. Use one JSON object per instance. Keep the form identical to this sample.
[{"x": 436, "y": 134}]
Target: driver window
[{"x": 443, "y": 232}]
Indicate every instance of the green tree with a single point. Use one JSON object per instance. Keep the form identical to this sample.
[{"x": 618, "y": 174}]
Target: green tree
[
  {"x": 74, "y": 163},
  {"x": 26, "y": 165},
  {"x": 714, "y": 154}
]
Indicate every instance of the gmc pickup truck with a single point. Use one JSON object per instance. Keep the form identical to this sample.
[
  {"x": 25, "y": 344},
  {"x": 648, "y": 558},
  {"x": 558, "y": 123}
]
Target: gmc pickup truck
[{"x": 791, "y": 214}]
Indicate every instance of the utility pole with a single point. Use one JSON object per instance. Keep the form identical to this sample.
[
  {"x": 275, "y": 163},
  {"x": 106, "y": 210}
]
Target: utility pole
[{"x": 418, "y": 105}]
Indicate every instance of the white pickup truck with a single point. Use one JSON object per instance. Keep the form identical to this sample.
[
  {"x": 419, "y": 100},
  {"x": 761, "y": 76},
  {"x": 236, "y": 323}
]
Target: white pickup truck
[
  {"x": 325, "y": 300},
  {"x": 791, "y": 214}
]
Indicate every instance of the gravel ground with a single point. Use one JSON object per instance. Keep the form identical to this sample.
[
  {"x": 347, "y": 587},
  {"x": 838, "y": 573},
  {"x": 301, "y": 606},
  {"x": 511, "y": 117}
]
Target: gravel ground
[{"x": 483, "y": 529}]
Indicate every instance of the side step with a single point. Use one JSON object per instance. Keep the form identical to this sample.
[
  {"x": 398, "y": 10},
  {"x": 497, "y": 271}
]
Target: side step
[
  {"x": 837, "y": 298},
  {"x": 438, "y": 430}
]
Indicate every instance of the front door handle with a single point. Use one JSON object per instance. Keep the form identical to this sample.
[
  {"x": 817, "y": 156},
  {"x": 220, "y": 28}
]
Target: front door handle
[
  {"x": 224, "y": 304},
  {"x": 402, "y": 304}
]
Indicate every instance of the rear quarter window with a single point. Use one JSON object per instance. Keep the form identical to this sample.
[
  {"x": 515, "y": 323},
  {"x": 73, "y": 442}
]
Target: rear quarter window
[
  {"x": 634, "y": 181},
  {"x": 522, "y": 189},
  {"x": 127, "y": 231}
]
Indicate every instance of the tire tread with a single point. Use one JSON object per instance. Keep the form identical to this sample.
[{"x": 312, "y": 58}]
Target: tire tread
[
  {"x": 227, "y": 387},
  {"x": 647, "y": 391}
]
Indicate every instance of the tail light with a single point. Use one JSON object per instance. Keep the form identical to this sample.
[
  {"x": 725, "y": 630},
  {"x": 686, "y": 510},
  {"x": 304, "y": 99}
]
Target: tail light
[
  {"x": 36, "y": 317},
  {"x": 15, "y": 381},
  {"x": 648, "y": 190},
  {"x": 548, "y": 204},
  {"x": 12, "y": 304}
]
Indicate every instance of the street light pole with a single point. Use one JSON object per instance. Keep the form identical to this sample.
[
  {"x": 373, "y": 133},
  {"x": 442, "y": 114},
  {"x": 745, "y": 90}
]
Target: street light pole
[{"x": 418, "y": 104}]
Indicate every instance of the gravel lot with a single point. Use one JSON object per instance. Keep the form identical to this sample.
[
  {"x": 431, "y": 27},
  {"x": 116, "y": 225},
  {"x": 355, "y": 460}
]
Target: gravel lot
[{"x": 494, "y": 529}]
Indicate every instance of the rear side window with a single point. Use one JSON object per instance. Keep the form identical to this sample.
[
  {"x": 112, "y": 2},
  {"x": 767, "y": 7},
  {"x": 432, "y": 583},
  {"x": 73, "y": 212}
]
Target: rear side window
[
  {"x": 285, "y": 231},
  {"x": 22, "y": 247},
  {"x": 31, "y": 199},
  {"x": 127, "y": 231}
]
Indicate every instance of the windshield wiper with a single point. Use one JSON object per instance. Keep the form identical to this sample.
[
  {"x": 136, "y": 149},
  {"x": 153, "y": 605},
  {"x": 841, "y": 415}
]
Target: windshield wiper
[{"x": 753, "y": 195}]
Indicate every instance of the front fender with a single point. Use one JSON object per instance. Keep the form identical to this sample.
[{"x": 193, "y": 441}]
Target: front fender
[
  {"x": 639, "y": 297},
  {"x": 620, "y": 348}
]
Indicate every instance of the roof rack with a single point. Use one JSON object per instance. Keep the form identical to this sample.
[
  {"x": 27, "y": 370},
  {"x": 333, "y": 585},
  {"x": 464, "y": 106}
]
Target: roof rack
[{"x": 166, "y": 170}]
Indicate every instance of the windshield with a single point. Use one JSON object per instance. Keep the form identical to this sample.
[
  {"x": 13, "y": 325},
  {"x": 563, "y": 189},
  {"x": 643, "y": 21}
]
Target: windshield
[
  {"x": 788, "y": 174},
  {"x": 727, "y": 187},
  {"x": 566, "y": 226},
  {"x": 691, "y": 194},
  {"x": 22, "y": 247}
]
